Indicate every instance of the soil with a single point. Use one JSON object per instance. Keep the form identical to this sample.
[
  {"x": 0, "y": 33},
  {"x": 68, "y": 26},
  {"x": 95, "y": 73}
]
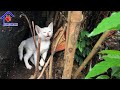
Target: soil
[{"x": 20, "y": 72}]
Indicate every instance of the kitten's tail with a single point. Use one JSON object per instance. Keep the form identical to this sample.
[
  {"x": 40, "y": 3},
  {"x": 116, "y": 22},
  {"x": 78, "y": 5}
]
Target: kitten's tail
[{"x": 20, "y": 50}]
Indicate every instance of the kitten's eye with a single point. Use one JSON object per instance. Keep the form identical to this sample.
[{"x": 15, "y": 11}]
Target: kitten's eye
[{"x": 49, "y": 31}]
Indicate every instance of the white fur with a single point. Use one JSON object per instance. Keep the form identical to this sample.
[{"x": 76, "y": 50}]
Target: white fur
[{"x": 29, "y": 46}]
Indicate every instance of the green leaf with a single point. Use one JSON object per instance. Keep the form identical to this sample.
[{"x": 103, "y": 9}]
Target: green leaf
[
  {"x": 103, "y": 77},
  {"x": 115, "y": 72},
  {"x": 83, "y": 44},
  {"x": 109, "y": 23},
  {"x": 114, "y": 52},
  {"x": 80, "y": 49},
  {"x": 83, "y": 34},
  {"x": 111, "y": 56},
  {"x": 103, "y": 67}
]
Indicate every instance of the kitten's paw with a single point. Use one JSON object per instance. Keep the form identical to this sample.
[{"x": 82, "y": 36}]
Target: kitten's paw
[
  {"x": 42, "y": 62},
  {"x": 40, "y": 68},
  {"x": 29, "y": 67},
  {"x": 20, "y": 58}
]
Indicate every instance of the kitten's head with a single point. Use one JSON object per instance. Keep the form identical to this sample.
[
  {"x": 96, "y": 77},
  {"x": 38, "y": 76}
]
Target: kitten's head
[{"x": 46, "y": 32}]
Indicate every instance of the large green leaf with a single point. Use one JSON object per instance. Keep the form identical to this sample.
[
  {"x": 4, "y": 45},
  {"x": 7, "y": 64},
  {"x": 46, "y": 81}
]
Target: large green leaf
[
  {"x": 109, "y": 23},
  {"x": 103, "y": 67},
  {"x": 114, "y": 54}
]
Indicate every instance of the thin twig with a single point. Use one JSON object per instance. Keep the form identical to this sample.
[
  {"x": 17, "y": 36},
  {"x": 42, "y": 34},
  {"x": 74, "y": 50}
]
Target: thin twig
[
  {"x": 63, "y": 16},
  {"x": 38, "y": 58},
  {"x": 50, "y": 69},
  {"x": 56, "y": 16},
  {"x": 47, "y": 75},
  {"x": 33, "y": 25}
]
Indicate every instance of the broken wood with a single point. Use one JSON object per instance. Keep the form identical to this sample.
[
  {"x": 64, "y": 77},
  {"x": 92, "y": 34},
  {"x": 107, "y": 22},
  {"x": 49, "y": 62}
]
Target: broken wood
[
  {"x": 91, "y": 54},
  {"x": 74, "y": 19}
]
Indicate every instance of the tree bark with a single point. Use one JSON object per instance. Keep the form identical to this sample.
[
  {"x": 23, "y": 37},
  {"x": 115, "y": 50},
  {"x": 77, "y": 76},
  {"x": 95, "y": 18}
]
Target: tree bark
[{"x": 74, "y": 19}]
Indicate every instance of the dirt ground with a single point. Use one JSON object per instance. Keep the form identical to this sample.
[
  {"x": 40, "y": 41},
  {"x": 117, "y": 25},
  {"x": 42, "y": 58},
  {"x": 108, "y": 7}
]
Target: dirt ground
[{"x": 20, "y": 72}]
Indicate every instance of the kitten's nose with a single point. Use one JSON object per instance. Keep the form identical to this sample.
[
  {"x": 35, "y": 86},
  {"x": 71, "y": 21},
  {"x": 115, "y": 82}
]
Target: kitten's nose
[{"x": 47, "y": 34}]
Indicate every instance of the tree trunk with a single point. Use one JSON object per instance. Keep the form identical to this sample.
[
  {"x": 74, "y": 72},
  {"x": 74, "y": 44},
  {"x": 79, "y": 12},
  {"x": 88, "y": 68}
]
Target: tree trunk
[{"x": 73, "y": 28}]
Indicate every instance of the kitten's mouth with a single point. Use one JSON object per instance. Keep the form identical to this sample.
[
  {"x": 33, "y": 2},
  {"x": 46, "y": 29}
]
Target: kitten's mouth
[{"x": 48, "y": 36}]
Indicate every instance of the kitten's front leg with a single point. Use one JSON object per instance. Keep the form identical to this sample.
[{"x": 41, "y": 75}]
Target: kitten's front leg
[
  {"x": 26, "y": 58},
  {"x": 35, "y": 60},
  {"x": 42, "y": 61}
]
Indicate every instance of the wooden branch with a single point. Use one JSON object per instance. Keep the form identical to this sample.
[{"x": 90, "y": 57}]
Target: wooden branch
[
  {"x": 63, "y": 16},
  {"x": 91, "y": 54},
  {"x": 34, "y": 36},
  {"x": 74, "y": 21},
  {"x": 38, "y": 59},
  {"x": 55, "y": 19},
  {"x": 67, "y": 33},
  {"x": 46, "y": 72},
  {"x": 50, "y": 69}
]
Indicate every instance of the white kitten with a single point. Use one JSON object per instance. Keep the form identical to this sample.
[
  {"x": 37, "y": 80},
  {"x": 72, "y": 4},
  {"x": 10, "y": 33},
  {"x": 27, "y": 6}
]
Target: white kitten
[{"x": 45, "y": 34}]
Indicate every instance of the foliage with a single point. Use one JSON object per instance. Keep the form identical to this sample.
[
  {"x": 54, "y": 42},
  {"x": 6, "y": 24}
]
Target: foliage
[
  {"x": 109, "y": 23},
  {"x": 110, "y": 60},
  {"x": 83, "y": 48},
  {"x": 111, "y": 57}
]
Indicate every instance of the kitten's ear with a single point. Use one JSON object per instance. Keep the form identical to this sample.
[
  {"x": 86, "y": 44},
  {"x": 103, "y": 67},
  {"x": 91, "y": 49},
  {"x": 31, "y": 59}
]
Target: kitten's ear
[
  {"x": 38, "y": 29},
  {"x": 51, "y": 25}
]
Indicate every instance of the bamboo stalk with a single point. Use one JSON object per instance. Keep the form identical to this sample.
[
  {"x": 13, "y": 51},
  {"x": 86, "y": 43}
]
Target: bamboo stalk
[{"x": 91, "y": 54}]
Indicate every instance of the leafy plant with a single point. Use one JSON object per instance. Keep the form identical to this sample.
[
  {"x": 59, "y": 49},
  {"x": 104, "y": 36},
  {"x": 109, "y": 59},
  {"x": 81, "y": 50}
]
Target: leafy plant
[
  {"x": 83, "y": 48},
  {"x": 110, "y": 60},
  {"x": 111, "y": 57}
]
